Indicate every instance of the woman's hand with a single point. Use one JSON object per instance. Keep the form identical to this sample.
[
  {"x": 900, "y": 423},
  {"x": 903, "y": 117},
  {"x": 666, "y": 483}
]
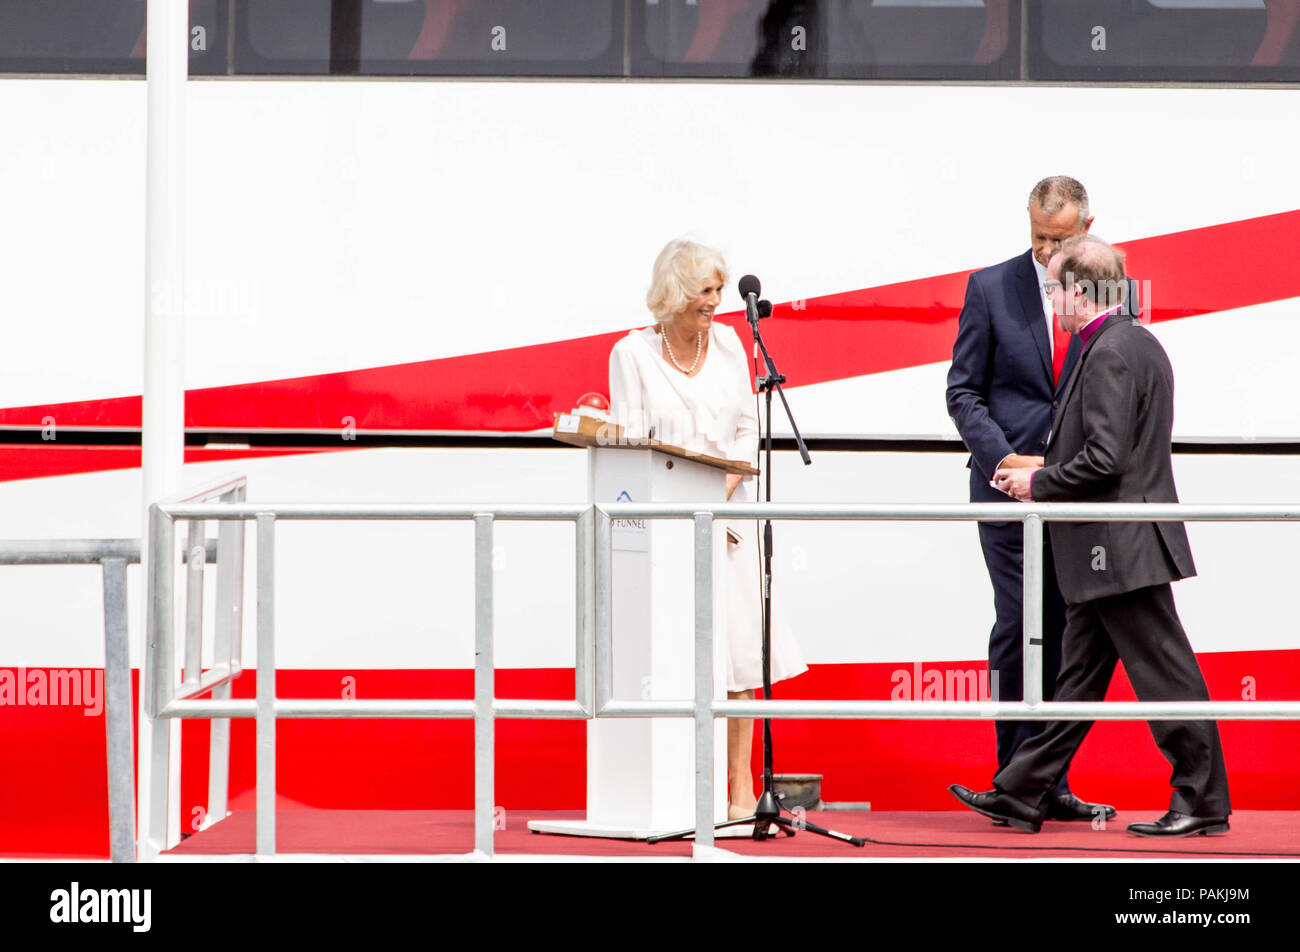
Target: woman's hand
[{"x": 733, "y": 480}]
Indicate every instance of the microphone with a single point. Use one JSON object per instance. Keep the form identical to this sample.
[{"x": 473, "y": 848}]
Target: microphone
[{"x": 749, "y": 288}]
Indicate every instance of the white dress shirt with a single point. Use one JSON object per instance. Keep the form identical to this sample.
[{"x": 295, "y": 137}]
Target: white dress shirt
[{"x": 1041, "y": 271}]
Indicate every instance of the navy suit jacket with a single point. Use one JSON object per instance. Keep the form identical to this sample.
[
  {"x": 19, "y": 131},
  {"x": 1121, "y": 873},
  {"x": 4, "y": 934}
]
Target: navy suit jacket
[{"x": 1000, "y": 390}]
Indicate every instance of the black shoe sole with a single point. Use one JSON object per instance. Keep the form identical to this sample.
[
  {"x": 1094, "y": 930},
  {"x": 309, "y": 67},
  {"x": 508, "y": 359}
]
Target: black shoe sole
[
  {"x": 1022, "y": 825},
  {"x": 1216, "y": 830}
]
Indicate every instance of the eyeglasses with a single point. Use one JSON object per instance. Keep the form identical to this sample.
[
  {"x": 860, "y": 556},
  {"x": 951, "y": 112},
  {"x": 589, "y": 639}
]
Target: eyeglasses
[{"x": 1050, "y": 286}]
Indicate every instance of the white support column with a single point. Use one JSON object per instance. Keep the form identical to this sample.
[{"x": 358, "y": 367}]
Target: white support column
[{"x": 167, "y": 68}]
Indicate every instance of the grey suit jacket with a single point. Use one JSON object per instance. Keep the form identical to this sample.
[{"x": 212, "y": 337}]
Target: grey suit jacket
[{"x": 1110, "y": 442}]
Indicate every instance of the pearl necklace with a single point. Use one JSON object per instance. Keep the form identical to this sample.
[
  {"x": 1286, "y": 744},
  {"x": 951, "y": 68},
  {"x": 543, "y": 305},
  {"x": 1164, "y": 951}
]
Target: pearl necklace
[{"x": 699, "y": 350}]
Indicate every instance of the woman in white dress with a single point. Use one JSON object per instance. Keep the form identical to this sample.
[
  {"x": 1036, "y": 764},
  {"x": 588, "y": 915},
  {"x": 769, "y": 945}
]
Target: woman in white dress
[{"x": 687, "y": 378}]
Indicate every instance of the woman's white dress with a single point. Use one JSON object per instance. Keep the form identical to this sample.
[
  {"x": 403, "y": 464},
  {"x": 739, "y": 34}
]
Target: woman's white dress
[{"x": 711, "y": 413}]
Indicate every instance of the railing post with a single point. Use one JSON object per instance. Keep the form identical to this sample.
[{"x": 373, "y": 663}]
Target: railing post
[
  {"x": 229, "y": 622},
  {"x": 195, "y": 565},
  {"x": 158, "y": 686},
  {"x": 484, "y": 689},
  {"x": 237, "y": 536},
  {"x": 265, "y": 684},
  {"x": 704, "y": 633},
  {"x": 604, "y": 609},
  {"x": 1032, "y": 611},
  {"x": 585, "y": 608},
  {"x": 117, "y": 715}
]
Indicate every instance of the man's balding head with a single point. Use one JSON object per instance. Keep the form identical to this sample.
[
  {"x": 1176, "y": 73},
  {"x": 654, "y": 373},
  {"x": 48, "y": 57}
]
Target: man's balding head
[{"x": 1086, "y": 277}]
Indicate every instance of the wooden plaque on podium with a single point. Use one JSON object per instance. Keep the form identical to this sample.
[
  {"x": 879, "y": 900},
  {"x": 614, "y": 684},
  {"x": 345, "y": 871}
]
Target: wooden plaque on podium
[{"x": 578, "y": 430}]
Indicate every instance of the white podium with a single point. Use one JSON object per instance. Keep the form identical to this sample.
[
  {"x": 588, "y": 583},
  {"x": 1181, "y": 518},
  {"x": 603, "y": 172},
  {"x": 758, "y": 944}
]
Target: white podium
[{"x": 640, "y": 771}]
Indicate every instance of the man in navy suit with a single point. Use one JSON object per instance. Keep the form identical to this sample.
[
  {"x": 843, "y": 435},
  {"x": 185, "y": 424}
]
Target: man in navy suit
[{"x": 1009, "y": 365}]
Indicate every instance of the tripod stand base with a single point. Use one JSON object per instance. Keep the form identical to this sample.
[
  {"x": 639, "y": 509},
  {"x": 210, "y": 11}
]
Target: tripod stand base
[
  {"x": 742, "y": 829},
  {"x": 765, "y": 824}
]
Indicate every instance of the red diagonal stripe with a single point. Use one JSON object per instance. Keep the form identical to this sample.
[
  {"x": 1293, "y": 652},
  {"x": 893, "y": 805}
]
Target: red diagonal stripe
[{"x": 827, "y": 338}]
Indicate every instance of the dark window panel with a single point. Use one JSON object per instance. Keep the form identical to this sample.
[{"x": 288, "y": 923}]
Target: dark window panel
[
  {"x": 213, "y": 16},
  {"x": 1170, "y": 40},
  {"x": 1143, "y": 40},
  {"x": 431, "y": 37},
  {"x": 293, "y": 35},
  {"x": 723, "y": 35},
  {"x": 100, "y": 36},
  {"x": 903, "y": 39}
]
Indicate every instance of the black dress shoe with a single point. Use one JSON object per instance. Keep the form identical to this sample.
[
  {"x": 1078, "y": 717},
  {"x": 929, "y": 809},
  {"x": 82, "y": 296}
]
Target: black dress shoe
[
  {"x": 1174, "y": 823},
  {"x": 1067, "y": 806},
  {"x": 998, "y": 806}
]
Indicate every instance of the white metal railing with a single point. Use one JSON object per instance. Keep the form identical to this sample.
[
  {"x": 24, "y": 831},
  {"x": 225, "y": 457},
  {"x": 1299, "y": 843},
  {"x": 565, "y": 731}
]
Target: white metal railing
[
  {"x": 112, "y": 556},
  {"x": 167, "y": 699},
  {"x": 159, "y": 673},
  {"x": 593, "y": 633}
]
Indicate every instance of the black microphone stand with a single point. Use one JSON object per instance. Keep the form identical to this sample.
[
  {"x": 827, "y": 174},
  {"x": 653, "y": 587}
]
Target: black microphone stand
[{"x": 769, "y": 811}]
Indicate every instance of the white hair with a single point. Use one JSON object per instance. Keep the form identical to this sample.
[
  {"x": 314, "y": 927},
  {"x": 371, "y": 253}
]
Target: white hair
[{"x": 681, "y": 273}]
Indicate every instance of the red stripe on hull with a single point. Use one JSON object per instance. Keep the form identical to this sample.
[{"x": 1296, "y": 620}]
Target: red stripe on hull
[
  {"x": 55, "y": 801},
  {"x": 832, "y": 337}
]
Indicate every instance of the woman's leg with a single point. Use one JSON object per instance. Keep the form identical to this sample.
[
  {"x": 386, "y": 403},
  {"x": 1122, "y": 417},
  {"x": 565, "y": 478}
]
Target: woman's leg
[{"x": 741, "y": 801}]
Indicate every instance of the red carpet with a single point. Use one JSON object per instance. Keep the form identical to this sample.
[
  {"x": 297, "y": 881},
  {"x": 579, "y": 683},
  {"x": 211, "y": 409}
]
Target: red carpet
[{"x": 948, "y": 834}]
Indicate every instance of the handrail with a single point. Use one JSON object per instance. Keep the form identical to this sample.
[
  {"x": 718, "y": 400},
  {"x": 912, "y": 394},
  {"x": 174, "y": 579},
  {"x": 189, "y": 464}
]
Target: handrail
[
  {"x": 166, "y": 698},
  {"x": 593, "y": 674},
  {"x": 228, "y": 551},
  {"x": 909, "y": 512},
  {"x": 113, "y": 556},
  {"x": 78, "y": 551}
]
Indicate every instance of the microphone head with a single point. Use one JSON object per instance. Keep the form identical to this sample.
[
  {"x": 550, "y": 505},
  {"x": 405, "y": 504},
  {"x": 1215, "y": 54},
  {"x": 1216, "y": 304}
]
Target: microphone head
[{"x": 749, "y": 285}]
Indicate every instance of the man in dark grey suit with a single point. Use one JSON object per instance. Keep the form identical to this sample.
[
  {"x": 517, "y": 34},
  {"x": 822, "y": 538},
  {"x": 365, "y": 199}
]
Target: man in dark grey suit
[{"x": 1110, "y": 442}]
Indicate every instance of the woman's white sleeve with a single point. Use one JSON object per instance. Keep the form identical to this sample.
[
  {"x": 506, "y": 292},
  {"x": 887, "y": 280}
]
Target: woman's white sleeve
[
  {"x": 625, "y": 392},
  {"x": 746, "y": 444}
]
